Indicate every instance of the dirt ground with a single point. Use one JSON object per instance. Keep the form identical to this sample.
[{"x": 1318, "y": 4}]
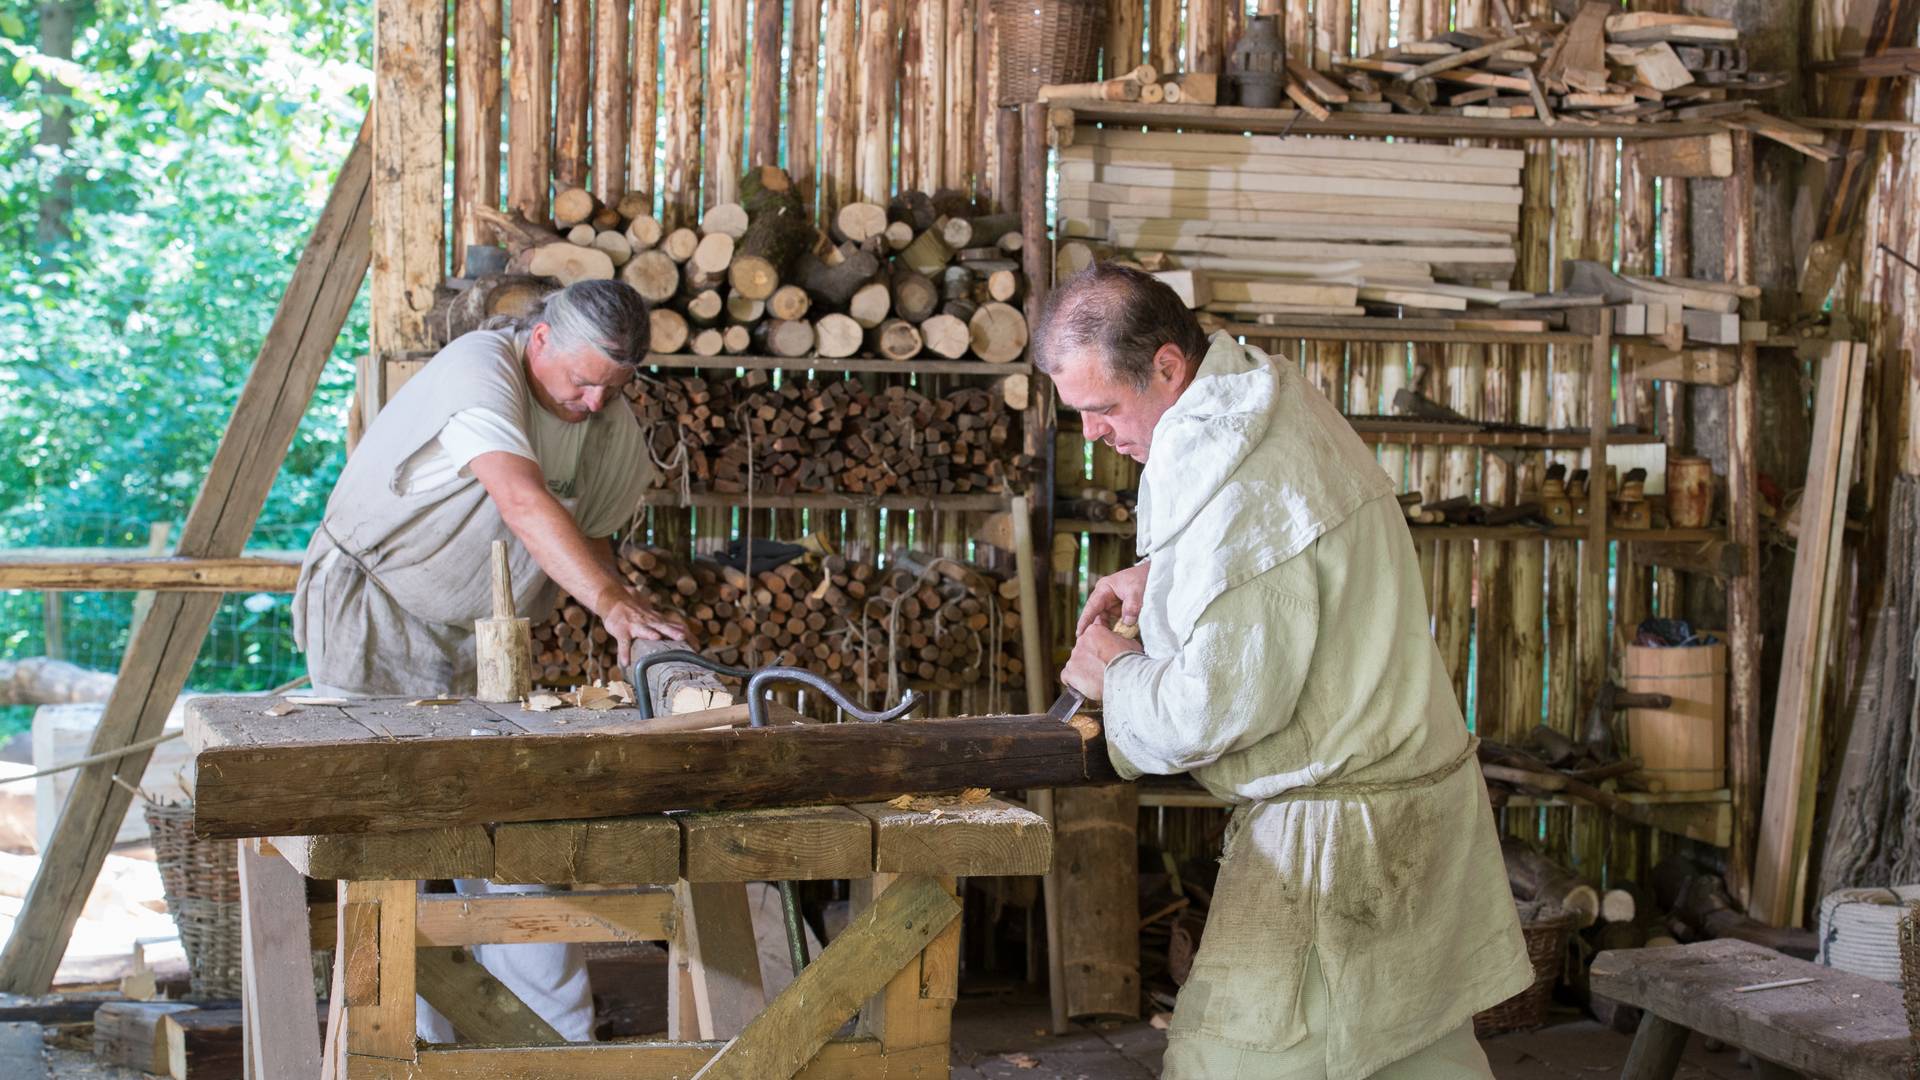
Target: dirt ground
[{"x": 1003, "y": 1037}]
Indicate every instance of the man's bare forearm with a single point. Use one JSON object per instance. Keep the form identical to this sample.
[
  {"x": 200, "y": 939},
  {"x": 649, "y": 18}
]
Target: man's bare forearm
[{"x": 582, "y": 567}]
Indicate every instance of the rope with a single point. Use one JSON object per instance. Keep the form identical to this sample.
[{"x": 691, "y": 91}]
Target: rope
[
  {"x": 95, "y": 759},
  {"x": 134, "y": 748}
]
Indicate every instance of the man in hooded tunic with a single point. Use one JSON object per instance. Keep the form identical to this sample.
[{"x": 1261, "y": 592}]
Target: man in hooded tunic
[{"x": 1362, "y": 913}]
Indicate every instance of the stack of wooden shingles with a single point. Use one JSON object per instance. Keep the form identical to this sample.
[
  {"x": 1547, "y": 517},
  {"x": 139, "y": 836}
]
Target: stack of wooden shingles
[
  {"x": 1251, "y": 226},
  {"x": 1622, "y": 67}
]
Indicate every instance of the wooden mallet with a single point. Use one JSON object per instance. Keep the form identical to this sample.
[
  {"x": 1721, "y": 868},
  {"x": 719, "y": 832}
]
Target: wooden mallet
[{"x": 503, "y": 644}]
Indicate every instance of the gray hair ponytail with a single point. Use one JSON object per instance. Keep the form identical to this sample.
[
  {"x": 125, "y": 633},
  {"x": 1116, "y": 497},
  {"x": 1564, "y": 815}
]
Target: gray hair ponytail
[{"x": 605, "y": 315}]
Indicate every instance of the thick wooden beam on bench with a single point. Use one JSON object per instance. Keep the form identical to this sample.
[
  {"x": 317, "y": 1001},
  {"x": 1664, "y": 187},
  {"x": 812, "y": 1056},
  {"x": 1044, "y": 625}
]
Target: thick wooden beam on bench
[
  {"x": 464, "y": 851},
  {"x": 322, "y": 770},
  {"x": 638, "y": 850},
  {"x": 510, "y": 918},
  {"x": 1840, "y": 1026}
]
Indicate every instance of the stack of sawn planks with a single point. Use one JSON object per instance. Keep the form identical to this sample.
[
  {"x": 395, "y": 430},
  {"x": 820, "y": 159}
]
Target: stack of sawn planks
[
  {"x": 1295, "y": 225},
  {"x": 934, "y": 622}
]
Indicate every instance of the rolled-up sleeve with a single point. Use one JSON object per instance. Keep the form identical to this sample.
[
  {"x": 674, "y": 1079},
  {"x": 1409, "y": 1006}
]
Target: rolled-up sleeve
[{"x": 1235, "y": 680}]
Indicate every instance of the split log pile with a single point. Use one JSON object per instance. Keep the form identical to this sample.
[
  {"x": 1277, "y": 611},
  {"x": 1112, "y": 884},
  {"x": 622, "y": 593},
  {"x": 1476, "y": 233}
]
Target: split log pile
[
  {"x": 824, "y": 435},
  {"x": 938, "y": 624},
  {"x": 927, "y": 276}
]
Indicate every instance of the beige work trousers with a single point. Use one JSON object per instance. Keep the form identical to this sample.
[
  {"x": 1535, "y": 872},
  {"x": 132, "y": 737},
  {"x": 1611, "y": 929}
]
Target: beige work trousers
[{"x": 1454, "y": 1056}]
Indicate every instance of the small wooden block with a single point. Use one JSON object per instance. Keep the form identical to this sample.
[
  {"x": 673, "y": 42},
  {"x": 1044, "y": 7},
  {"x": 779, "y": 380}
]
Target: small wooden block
[
  {"x": 361, "y": 978},
  {"x": 463, "y": 851},
  {"x": 624, "y": 915},
  {"x": 639, "y": 850},
  {"x": 987, "y": 839},
  {"x": 129, "y": 1033},
  {"x": 790, "y": 844}
]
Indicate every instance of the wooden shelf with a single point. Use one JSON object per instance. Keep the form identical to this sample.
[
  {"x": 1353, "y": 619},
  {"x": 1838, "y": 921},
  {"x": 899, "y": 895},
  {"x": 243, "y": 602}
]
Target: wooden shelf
[
  {"x": 1094, "y": 528},
  {"x": 1473, "y": 532},
  {"x": 1564, "y": 532},
  {"x": 1234, "y": 119},
  {"x": 1706, "y": 816},
  {"x": 850, "y": 364},
  {"x": 830, "y": 500},
  {"x": 1385, "y": 330},
  {"x": 1516, "y": 440}
]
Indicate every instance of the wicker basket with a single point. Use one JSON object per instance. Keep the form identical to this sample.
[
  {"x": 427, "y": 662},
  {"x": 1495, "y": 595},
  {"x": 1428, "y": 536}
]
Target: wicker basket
[
  {"x": 1546, "y": 947},
  {"x": 1043, "y": 42},
  {"x": 202, "y": 883},
  {"x": 1910, "y": 976}
]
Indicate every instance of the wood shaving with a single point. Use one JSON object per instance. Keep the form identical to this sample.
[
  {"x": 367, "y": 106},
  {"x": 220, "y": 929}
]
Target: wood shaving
[
  {"x": 1021, "y": 1061},
  {"x": 594, "y": 697},
  {"x": 435, "y": 701},
  {"x": 1158, "y": 1021},
  {"x": 1087, "y": 726},
  {"x": 622, "y": 691},
  {"x": 937, "y": 804},
  {"x": 543, "y": 702},
  {"x": 284, "y": 708},
  {"x": 316, "y": 700}
]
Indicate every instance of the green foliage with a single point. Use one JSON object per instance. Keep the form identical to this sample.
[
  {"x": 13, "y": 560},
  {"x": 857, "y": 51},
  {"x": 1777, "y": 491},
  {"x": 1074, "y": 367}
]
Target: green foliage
[{"x": 205, "y": 137}]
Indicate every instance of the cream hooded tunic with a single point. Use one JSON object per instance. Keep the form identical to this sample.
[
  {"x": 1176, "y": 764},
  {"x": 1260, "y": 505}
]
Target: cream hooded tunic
[{"x": 1289, "y": 668}]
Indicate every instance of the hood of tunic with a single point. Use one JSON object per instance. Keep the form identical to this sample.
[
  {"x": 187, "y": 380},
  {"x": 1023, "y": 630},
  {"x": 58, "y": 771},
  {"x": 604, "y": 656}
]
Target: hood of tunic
[{"x": 1254, "y": 463}]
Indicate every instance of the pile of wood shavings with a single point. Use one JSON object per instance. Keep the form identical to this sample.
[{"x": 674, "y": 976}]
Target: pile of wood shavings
[
  {"x": 595, "y": 696},
  {"x": 935, "y": 805}
]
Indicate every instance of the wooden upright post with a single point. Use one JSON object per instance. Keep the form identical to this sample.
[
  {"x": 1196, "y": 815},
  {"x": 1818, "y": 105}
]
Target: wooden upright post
[
  {"x": 409, "y": 203},
  {"x": 1743, "y": 528},
  {"x": 164, "y": 645},
  {"x": 476, "y": 143}
]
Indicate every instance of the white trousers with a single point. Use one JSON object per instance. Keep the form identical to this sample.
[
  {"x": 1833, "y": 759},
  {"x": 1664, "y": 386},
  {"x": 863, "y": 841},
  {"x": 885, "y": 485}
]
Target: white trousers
[
  {"x": 1455, "y": 1056},
  {"x": 550, "y": 979}
]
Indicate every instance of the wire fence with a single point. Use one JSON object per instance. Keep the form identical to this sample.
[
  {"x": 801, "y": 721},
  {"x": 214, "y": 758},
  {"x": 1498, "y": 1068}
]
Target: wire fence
[{"x": 249, "y": 647}]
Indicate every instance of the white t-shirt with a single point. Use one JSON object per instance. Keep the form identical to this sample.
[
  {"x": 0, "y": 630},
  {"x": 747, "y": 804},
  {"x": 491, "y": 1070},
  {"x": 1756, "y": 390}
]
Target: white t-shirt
[{"x": 553, "y": 444}]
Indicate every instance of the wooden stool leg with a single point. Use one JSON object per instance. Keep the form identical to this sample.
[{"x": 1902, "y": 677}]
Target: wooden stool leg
[
  {"x": 377, "y": 938},
  {"x": 916, "y": 1007},
  {"x": 277, "y": 968},
  {"x": 1656, "y": 1050},
  {"x": 714, "y": 961}
]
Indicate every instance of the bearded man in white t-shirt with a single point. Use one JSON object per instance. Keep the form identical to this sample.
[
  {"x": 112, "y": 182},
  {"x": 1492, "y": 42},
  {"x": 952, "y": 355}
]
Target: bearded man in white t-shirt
[{"x": 518, "y": 432}]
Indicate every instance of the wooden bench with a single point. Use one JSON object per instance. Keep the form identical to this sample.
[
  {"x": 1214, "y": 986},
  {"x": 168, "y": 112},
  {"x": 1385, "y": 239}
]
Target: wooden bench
[
  {"x": 681, "y": 881},
  {"x": 1839, "y": 1026}
]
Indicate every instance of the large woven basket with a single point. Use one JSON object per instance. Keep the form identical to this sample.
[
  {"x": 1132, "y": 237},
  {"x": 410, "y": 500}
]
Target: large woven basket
[
  {"x": 1043, "y": 42},
  {"x": 1910, "y": 979},
  {"x": 1546, "y": 937},
  {"x": 202, "y": 883}
]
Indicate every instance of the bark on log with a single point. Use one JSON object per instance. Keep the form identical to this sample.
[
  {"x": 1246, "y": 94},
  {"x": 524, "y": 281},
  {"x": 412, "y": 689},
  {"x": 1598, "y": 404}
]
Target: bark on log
[
  {"x": 513, "y": 230},
  {"x": 833, "y": 286},
  {"x": 914, "y": 295},
  {"x": 564, "y": 262},
  {"x": 40, "y": 680},
  {"x": 1533, "y": 876},
  {"x": 571, "y": 93}
]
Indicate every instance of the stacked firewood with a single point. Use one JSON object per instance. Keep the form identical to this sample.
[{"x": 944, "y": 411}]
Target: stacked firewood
[
  {"x": 927, "y": 276},
  {"x": 745, "y": 433},
  {"x": 1097, "y": 504},
  {"x": 933, "y": 623}
]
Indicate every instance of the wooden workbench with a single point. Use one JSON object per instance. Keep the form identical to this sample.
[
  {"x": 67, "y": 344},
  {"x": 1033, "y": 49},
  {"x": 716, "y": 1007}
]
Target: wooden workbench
[{"x": 522, "y": 798}]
